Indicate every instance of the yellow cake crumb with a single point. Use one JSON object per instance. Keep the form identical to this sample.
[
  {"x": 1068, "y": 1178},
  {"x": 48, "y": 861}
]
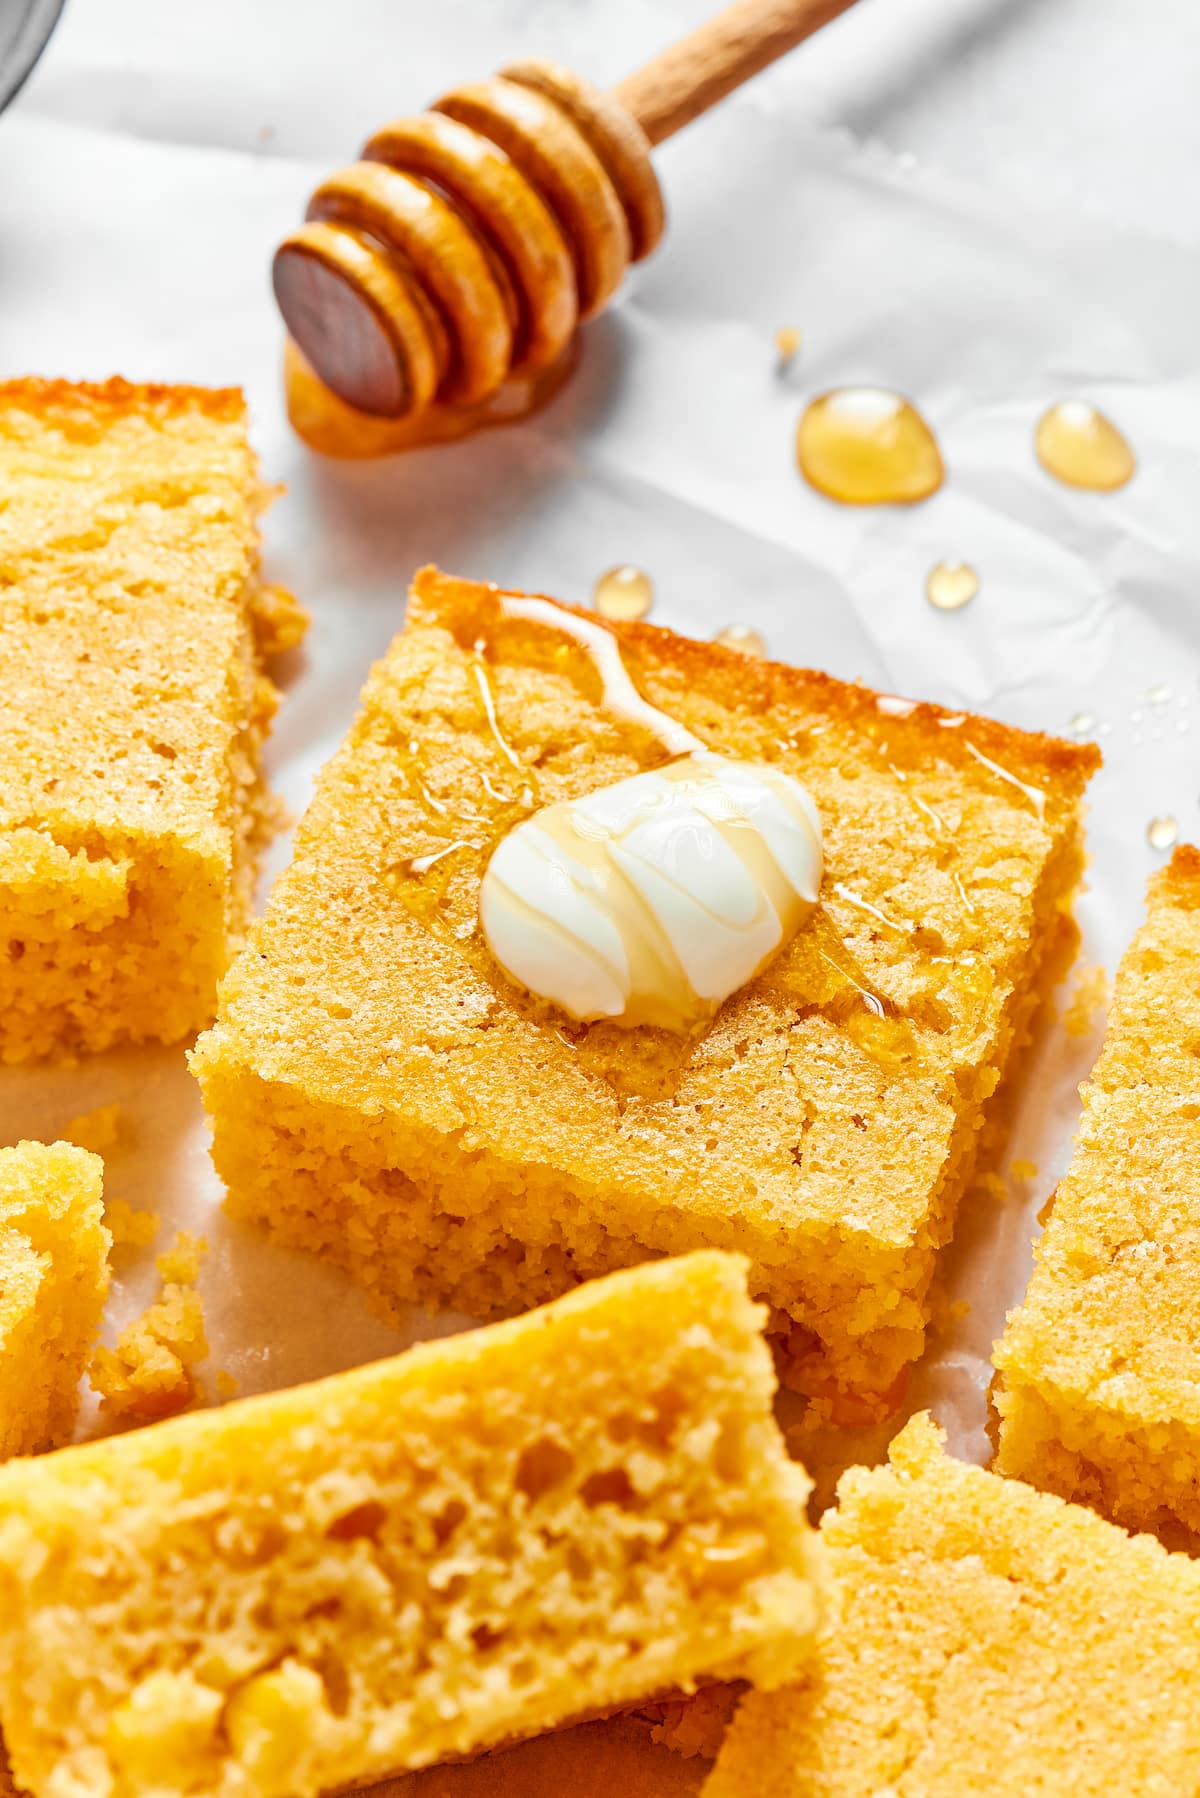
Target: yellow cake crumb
[
  {"x": 695, "y": 1725},
  {"x": 988, "y": 1641},
  {"x": 131, "y": 637},
  {"x": 1090, "y": 996},
  {"x": 472, "y": 1542},
  {"x": 98, "y": 1131},
  {"x": 1099, "y": 1369},
  {"x": 130, "y": 1226},
  {"x": 150, "y": 1372},
  {"x": 383, "y": 1096},
  {"x": 53, "y": 1282}
]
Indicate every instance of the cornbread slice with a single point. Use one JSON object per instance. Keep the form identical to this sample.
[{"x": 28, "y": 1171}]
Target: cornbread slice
[
  {"x": 1099, "y": 1368},
  {"x": 990, "y": 1640},
  {"x": 132, "y": 625},
  {"x": 383, "y": 1095},
  {"x": 474, "y": 1541},
  {"x": 53, "y": 1282}
]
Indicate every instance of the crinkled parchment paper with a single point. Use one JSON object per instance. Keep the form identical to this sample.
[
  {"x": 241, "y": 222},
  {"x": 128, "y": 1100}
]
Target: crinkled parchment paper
[{"x": 672, "y": 449}]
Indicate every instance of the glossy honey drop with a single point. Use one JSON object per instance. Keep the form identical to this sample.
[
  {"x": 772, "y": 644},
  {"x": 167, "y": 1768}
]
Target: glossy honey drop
[
  {"x": 1083, "y": 448},
  {"x": 951, "y": 585},
  {"x": 1163, "y": 832},
  {"x": 744, "y": 638},
  {"x": 624, "y": 593},
  {"x": 866, "y": 446}
]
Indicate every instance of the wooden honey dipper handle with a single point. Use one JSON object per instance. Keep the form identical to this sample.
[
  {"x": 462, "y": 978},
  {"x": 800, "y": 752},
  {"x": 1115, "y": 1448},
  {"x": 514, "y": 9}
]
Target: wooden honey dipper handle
[
  {"x": 468, "y": 243},
  {"x": 690, "y": 76}
]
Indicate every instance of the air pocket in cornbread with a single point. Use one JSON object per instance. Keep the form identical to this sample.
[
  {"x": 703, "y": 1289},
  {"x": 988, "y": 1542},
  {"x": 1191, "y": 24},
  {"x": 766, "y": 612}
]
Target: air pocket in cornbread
[
  {"x": 1099, "y": 1368},
  {"x": 549, "y": 1517},
  {"x": 990, "y": 1642},
  {"x": 132, "y": 626},
  {"x": 382, "y": 1094},
  {"x": 53, "y": 1281}
]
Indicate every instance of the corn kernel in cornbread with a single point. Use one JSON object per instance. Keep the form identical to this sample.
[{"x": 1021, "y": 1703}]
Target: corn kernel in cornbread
[
  {"x": 134, "y": 707},
  {"x": 383, "y": 1095},
  {"x": 991, "y": 1642},
  {"x": 1099, "y": 1368},
  {"x": 53, "y": 1281},
  {"x": 550, "y": 1517}
]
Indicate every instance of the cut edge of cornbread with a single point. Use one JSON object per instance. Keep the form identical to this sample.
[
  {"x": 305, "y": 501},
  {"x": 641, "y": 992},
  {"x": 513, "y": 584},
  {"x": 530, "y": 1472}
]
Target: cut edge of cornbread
[
  {"x": 1075, "y": 1416},
  {"x": 116, "y": 931},
  {"x": 986, "y": 1638},
  {"x": 53, "y": 1282},
  {"x": 500, "y": 1234},
  {"x": 482, "y": 1538}
]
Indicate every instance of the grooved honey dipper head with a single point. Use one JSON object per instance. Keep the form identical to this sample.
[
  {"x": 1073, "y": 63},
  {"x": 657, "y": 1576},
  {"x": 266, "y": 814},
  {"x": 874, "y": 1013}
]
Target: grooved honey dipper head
[{"x": 469, "y": 242}]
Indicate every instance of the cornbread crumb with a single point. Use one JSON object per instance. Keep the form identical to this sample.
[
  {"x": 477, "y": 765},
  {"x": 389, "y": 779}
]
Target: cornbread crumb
[
  {"x": 227, "y": 1385},
  {"x": 130, "y": 1227},
  {"x": 382, "y": 1095},
  {"x": 53, "y": 1281},
  {"x": 133, "y": 626},
  {"x": 279, "y": 621},
  {"x": 989, "y": 1641},
  {"x": 150, "y": 1374},
  {"x": 1099, "y": 1369},
  {"x": 1090, "y": 996},
  {"x": 472, "y": 1542},
  {"x": 694, "y": 1726},
  {"x": 1023, "y": 1170},
  {"x": 98, "y": 1131}
]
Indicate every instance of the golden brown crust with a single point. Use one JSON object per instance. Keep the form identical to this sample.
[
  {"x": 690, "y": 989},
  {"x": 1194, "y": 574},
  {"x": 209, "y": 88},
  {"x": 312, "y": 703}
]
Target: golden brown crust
[
  {"x": 752, "y": 684},
  {"x": 1180, "y": 879},
  {"x": 42, "y": 395}
]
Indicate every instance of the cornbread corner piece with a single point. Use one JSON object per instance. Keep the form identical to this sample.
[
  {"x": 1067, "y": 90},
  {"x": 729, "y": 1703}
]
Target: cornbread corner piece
[
  {"x": 53, "y": 1282},
  {"x": 383, "y": 1095},
  {"x": 990, "y": 1640},
  {"x": 475, "y": 1541},
  {"x": 1098, "y": 1388},
  {"x": 134, "y": 708}
]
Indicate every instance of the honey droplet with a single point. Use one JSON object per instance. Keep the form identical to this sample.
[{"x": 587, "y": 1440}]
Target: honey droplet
[
  {"x": 744, "y": 638},
  {"x": 787, "y": 342},
  {"x": 865, "y": 446},
  {"x": 1078, "y": 445},
  {"x": 1159, "y": 694},
  {"x": 1162, "y": 832},
  {"x": 950, "y": 585},
  {"x": 624, "y": 593},
  {"x": 1082, "y": 723}
]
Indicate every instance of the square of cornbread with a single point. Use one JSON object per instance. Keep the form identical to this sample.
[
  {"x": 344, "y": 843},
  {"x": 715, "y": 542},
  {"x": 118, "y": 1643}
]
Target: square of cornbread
[
  {"x": 53, "y": 1281},
  {"x": 132, "y": 627},
  {"x": 383, "y": 1095},
  {"x": 990, "y": 1642},
  {"x": 1099, "y": 1369},
  {"x": 548, "y": 1517}
]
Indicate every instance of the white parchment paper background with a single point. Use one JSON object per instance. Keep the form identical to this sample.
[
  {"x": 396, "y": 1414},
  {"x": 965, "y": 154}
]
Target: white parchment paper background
[{"x": 138, "y": 210}]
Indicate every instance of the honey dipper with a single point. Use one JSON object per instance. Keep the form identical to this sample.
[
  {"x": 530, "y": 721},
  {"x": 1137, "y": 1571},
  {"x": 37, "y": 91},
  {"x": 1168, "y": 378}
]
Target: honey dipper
[{"x": 470, "y": 241}]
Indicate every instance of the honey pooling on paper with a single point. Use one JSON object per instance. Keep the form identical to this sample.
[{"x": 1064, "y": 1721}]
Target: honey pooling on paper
[
  {"x": 866, "y": 446},
  {"x": 1083, "y": 448},
  {"x": 742, "y": 637},
  {"x": 624, "y": 593},
  {"x": 951, "y": 585}
]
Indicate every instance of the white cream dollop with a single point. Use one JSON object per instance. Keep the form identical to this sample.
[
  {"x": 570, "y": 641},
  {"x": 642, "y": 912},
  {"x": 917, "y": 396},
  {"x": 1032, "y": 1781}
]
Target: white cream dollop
[{"x": 651, "y": 900}]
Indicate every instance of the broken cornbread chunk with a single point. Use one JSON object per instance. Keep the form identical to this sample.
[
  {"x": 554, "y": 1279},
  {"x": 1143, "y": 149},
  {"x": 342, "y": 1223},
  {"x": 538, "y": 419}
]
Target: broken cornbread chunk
[
  {"x": 476, "y": 1540},
  {"x": 53, "y": 1281},
  {"x": 134, "y": 707},
  {"x": 151, "y": 1371},
  {"x": 382, "y": 1094},
  {"x": 990, "y": 1640},
  {"x": 1099, "y": 1368}
]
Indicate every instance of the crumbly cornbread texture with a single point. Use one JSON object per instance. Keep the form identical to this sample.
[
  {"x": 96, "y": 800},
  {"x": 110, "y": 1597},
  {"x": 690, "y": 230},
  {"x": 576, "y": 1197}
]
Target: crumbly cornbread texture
[
  {"x": 151, "y": 1371},
  {"x": 1099, "y": 1368},
  {"x": 990, "y": 1640},
  {"x": 53, "y": 1281},
  {"x": 383, "y": 1095},
  {"x": 554, "y": 1516},
  {"x": 134, "y": 707}
]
